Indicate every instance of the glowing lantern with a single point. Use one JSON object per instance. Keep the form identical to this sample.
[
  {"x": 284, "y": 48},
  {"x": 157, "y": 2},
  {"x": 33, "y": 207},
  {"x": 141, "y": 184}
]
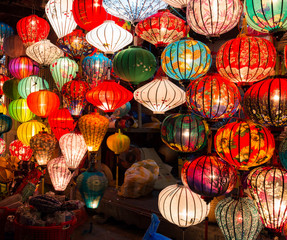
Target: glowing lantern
[
  {"x": 3, "y": 79},
  {"x": 44, "y": 52},
  {"x": 60, "y": 16},
  {"x": 5, "y": 123},
  {"x": 32, "y": 29},
  {"x": 244, "y": 144},
  {"x": 3, "y": 108},
  {"x": 59, "y": 173},
  {"x": 22, "y": 67},
  {"x": 162, "y": 28},
  {"x": 109, "y": 37},
  {"x": 18, "y": 110},
  {"x": 5, "y": 31},
  {"x": 134, "y": 64},
  {"x": 14, "y": 47},
  {"x": 74, "y": 148},
  {"x": 31, "y": 84},
  {"x": 21, "y": 151},
  {"x": 180, "y": 206},
  {"x": 213, "y": 97},
  {"x": 10, "y": 88},
  {"x": 63, "y": 70},
  {"x": 109, "y": 96},
  {"x": 246, "y": 59},
  {"x": 2, "y": 146}
]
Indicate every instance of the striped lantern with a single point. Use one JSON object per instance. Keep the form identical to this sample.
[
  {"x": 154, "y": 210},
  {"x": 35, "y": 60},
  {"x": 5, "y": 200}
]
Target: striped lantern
[
  {"x": 22, "y": 67},
  {"x": 18, "y": 110},
  {"x": 31, "y": 84}
]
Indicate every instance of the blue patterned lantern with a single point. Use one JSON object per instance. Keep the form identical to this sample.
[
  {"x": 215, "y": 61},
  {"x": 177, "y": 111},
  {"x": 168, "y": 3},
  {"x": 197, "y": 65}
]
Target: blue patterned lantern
[
  {"x": 5, "y": 123},
  {"x": 5, "y": 31}
]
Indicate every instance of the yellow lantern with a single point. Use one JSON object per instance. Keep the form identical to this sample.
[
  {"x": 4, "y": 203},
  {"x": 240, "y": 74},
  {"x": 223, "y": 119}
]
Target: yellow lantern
[{"x": 3, "y": 108}]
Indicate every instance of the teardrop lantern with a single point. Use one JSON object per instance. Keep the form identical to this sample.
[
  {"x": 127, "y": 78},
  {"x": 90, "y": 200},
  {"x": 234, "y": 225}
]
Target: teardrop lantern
[
  {"x": 5, "y": 123},
  {"x": 18, "y": 110},
  {"x": 118, "y": 142},
  {"x": 14, "y": 47},
  {"x": 21, "y": 151},
  {"x": 10, "y": 88},
  {"x": 5, "y": 31},
  {"x": 31, "y": 84},
  {"x": 3, "y": 79},
  {"x": 22, "y": 67}
]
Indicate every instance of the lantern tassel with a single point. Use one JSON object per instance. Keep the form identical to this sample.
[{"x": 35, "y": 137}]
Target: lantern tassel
[{"x": 117, "y": 171}]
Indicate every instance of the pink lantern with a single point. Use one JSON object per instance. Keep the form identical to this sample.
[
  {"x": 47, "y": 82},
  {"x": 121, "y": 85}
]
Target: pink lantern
[
  {"x": 21, "y": 151},
  {"x": 22, "y": 67}
]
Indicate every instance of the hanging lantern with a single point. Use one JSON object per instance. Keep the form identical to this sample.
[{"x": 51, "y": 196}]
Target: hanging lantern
[
  {"x": 118, "y": 142},
  {"x": 180, "y": 206},
  {"x": 74, "y": 93},
  {"x": 21, "y": 151},
  {"x": 3, "y": 79},
  {"x": 31, "y": 84},
  {"x": 3, "y": 108},
  {"x": 43, "y": 103},
  {"x": 109, "y": 96},
  {"x": 14, "y": 47},
  {"x": 177, "y": 3},
  {"x": 93, "y": 126},
  {"x": 283, "y": 153},
  {"x": 246, "y": 59},
  {"x": 186, "y": 60},
  {"x": 162, "y": 28},
  {"x": 109, "y": 37},
  {"x": 32, "y": 29},
  {"x": 59, "y": 173},
  {"x": 61, "y": 122},
  {"x": 44, "y": 52},
  {"x": 60, "y": 16},
  {"x": 29, "y": 129},
  {"x": 5, "y": 123},
  {"x": 134, "y": 64},
  {"x": 184, "y": 132},
  {"x": 265, "y": 102},
  {"x": 244, "y": 144},
  {"x": 213, "y": 97},
  {"x": 22, "y": 67},
  {"x": 63, "y": 70},
  {"x": 10, "y": 88},
  {"x": 238, "y": 219},
  {"x": 18, "y": 110},
  {"x": 5, "y": 31},
  {"x": 2, "y": 146},
  {"x": 121, "y": 111},
  {"x": 74, "y": 148}
]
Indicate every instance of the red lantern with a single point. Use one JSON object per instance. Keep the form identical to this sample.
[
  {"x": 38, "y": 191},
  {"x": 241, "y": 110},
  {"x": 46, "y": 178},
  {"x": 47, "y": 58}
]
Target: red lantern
[
  {"x": 109, "y": 96},
  {"x": 32, "y": 29},
  {"x": 3, "y": 79},
  {"x": 22, "y": 67},
  {"x": 20, "y": 150}
]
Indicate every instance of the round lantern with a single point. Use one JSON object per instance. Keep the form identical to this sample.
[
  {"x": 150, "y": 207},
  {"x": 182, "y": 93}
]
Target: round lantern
[
  {"x": 74, "y": 148},
  {"x": 31, "y": 84},
  {"x": 29, "y": 129},
  {"x": 266, "y": 103},
  {"x": 44, "y": 52},
  {"x": 244, "y": 144},
  {"x": 3, "y": 79},
  {"x": 246, "y": 59},
  {"x": 109, "y": 96},
  {"x": 162, "y": 28},
  {"x": 186, "y": 60},
  {"x": 2, "y": 146},
  {"x": 213, "y": 18},
  {"x": 134, "y": 64},
  {"x": 18, "y": 110},
  {"x": 22, "y": 67},
  {"x": 43, "y": 103},
  {"x": 93, "y": 126},
  {"x": 43, "y": 145},
  {"x": 213, "y": 97},
  {"x": 5, "y": 123},
  {"x": 3, "y": 108},
  {"x": 74, "y": 93},
  {"x": 59, "y": 173},
  {"x": 10, "y": 88},
  {"x": 180, "y": 206},
  {"x": 63, "y": 70},
  {"x": 32, "y": 29},
  {"x": 238, "y": 219},
  {"x": 60, "y": 16},
  {"x": 118, "y": 142},
  {"x": 283, "y": 153},
  {"x": 184, "y": 132},
  {"x": 5, "y": 31},
  {"x": 21, "y": 151},
  {"x": 13, "y": 46},
  {"x": 268, "y": 188}
]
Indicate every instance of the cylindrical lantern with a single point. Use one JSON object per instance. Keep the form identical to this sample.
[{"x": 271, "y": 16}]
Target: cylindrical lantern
[
  {"x": 5, "y": 31},
  {"x": 13, "y": 46},
  {"x": 3, "y": 79},
  {"x": 74, "y": 148},
  {"x": 5, "y": 123},
  {"x": 2, "y": 146},
  {"x": 10, "y": 88},
  {"x": 246, "y": 59},
  {"x": 180, "y": 206},
  {"x": 118, "y": 142},
  {"x": 31, "y": 84},
  {"x": 18, "y": 110},
  {"x": 22, "y": 67},
  {"x": 59, "y": 173},
  {"x": 21, "y": 151}
]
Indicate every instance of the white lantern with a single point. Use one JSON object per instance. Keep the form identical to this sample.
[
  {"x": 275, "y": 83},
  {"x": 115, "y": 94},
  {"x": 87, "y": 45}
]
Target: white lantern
[
  {"x": 180, "y": 206},
  {"x": 109, "y": 37},
  {"x": 44, "y": 52},
  {"x": 59, "y": 13},
  {"x": 73, "y": 147},
  {"x": 160, "y": 95}
]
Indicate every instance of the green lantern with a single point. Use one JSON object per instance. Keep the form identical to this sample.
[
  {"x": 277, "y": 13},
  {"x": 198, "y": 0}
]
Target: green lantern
[
  {"x": 18, "y": 110},
  {"x": 10, "y": 88},
  {"x": 31, "y": 84},
  {"x": 134, "y": 65}
]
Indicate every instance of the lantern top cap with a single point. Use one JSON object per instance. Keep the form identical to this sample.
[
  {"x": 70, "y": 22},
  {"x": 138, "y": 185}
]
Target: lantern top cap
[{"x": 109, "y": 21}]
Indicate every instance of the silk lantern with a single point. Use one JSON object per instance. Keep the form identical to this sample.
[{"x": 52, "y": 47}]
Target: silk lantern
[
  {"x": 2, "y": 146},
  {"x": 21, "y": 151},
  {"x": 10, "y": 88},
  {"x": 22, "y": 67},
  {"x": 5, "y": 123},
  {"x": 13, "y": 46},
  {"x": 31, "y": 84},
  {"x": 5, "y": 31},
  {"x": 18, "y": 110},
  {"x": 3, "y": 79}
]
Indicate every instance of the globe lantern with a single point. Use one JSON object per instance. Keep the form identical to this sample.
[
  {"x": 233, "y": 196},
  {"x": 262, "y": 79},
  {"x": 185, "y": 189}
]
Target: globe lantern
[
  {"x": 44, "y": 52},
  {"x": 244, "y": 144},
  {"x": 10, "y": 88},
  {"x": 162, "y": 28},
  {"x": 74, "y": 148},
  {"x": 31, "y": 84},
  {"x": 5, "y": 123},
  {"x": 213, "y": 18},
  {"x": 109, "y": 37},
  {"x": 63, "y": 70},
  {"x": 60, "y": 16},
  {"x": 14, "y": 47},
  {"x": 134, "y": 64},
  {"x": 213, "y": 97},
  {"x": 21, "y": 151},
  {"x": 182, "y": 207},
  {"x": 238, "y": 218},
  {"x": 18, "y": 110},
  {"x": 246, "y": 59},
  {"x": 109, "y": 96},
  {"x": 59, "y": 173},
  {"x": 22, "y": 67},
  {"x": 3, "y": 79},
  {"x": 32, "y": 29},
  {"x": 2, "y": 146},
  {"x": 5, "y": 31},
  {"x": 265, "y": 102}
]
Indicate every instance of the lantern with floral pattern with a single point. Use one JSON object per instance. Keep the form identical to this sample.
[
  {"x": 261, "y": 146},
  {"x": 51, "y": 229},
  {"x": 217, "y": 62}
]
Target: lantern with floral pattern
[
  {"x": 21, "y": 151},
  {"x": 2, "y": 146}
]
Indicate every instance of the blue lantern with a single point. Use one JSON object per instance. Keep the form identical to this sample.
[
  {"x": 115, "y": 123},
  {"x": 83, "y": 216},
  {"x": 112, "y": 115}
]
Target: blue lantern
[
  {"x": 123, "y": 110},
  {"x": 5, "y": 31},
  {"x": 5, "y": 123}
]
